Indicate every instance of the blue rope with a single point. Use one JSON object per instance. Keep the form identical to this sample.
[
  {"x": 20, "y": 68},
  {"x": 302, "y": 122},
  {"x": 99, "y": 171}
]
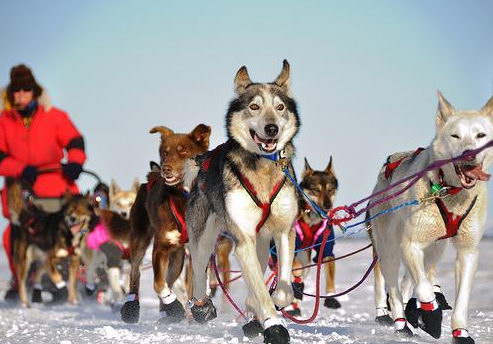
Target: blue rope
[{"x": 314, "y": 205}]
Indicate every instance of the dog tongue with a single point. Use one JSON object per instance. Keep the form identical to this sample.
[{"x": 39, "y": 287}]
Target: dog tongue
[
  {"x": 75, "y": 229},
  {"x": 477, "y": 173}
]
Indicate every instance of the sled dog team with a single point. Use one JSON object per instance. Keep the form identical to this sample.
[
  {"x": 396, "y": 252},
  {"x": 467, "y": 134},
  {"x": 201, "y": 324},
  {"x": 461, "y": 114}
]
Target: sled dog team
[{"x": 238, "y": 193}]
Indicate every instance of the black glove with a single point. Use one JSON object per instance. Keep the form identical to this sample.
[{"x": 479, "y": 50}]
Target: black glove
[
  {"x": 72, "y": 170},
  {"x": 30, "y": 173}
]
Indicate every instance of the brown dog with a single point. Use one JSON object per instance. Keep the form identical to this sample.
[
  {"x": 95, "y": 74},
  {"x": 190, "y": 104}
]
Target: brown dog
[
  {"x": 47, "y": 237},
  {"x": 158, "y": 213}
]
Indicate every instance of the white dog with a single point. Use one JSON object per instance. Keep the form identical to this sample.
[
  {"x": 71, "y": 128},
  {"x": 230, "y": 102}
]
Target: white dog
[{"x": 413, "y": 234}]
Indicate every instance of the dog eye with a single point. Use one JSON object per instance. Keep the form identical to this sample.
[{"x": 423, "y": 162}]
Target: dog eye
[
  {"x": 254, "y": 107},
  {"x": 455, "y": 136},
  {"x": 480, "y": 135},
  {"x": 280, "y": 107}
]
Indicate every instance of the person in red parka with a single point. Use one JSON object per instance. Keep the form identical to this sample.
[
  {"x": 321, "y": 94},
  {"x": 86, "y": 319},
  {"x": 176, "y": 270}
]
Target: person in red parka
[{"x": 35, "y": 136}]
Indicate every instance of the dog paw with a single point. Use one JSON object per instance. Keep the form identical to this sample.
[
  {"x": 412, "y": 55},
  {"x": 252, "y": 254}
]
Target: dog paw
[
  {"x": 298, "y": 288},
  {"x": 174, "y": 311},
  {"x": 130, "y": 312},
  {"x": 461, "y": 336},
  {"x": 332, "y": 303},
  {"x": 431, "y": 322},
  {"x": 411, "y": 312},
  {"x": 442, "y": 301},
  {"x": 60, "y": 295},
  {"x": 402, "y": 328},
  {"x": 384, "y": 320},
  {"x": 283, "y": 295},
  {"x": 205, "y": 312},
  {"x": 276, "y": 334},
  {"x": 252, "y": 329},
  {"x": 293, "y": 309},
  {"x": 36, "y": 296}
]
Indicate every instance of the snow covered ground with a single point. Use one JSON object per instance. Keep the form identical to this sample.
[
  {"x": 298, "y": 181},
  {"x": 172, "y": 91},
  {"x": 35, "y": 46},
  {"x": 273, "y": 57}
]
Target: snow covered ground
[{"x": 90, "y": 322}]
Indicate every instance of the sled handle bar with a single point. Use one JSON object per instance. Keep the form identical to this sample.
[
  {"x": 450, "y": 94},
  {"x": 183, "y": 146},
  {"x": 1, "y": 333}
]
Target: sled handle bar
[{"x": 89, "y": 172}]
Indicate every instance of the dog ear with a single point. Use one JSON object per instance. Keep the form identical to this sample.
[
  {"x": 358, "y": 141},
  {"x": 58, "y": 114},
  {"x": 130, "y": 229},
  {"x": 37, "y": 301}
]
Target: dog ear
[
  {"x": 329, "y": 169},
  {"x": 488, "y": 108},
  {"x": 165, "y": 132},
  {"x": 242, "y": 80},
  {"x": 200, "y": 135},
  {"x": 114, "y": 188},
  {"x": 444, "y": 110},
  {"x": 154, "y": 166},
  {"x": 283, "y": 80},
  {"x": 308, "y": 170},
  {"x": 136, "y": 185}
]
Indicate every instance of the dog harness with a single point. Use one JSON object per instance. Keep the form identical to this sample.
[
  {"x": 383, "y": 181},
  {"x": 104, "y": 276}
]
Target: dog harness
[
  {"x": 309, "y": 234},
  {"x": 452, "y": 221},
  {"x": 177, "y": 215},
  {"x": 248, "y": 185}
]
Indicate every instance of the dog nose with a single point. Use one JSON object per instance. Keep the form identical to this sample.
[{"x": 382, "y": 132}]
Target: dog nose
[
  {"x": 167, "y": 169},
  {"x": 124, "y": 214},
  {"x": 72, "y": 219},
  {"x": 271, "y": 129}
]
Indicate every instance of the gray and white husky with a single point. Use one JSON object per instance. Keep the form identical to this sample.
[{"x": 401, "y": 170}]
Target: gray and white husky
[
  {"x": 413, "y": 234},
  {"x": 241, "y": 187}
]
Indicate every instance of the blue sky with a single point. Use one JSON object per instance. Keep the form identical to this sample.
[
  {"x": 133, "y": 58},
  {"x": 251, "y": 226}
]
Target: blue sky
[{"x": 364, "y": 73}]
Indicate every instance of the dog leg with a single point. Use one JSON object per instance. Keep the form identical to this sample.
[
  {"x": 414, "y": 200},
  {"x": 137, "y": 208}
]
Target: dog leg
[
  {"x": 466, "y": 266},
  {"x": 37, "y": 287},
  {"x": 131, "y": 309},
  {"x": 432, "y": 255},
  {"x": 224, "y": 250},
  {"x": 72, "y": 278},
  {"x": 61, "y": 294},
  {"x": 171, "y": 309},
  {"x": 425, "y": 306},
  {"x": 283, "y": 295},
  {"x": 383, "y": 317},
  {"x": 22, "y": 263}
]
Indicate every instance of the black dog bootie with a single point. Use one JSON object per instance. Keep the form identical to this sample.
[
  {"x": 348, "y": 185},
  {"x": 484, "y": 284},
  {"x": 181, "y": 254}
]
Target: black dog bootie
[
  {"x": 203, "y": 313},
  {"x": 174, "y": 311},
  {"x": 428, "y": 316},
  {"x": 461, "y": 336},
  {"x": 130, "y": 311},
  {"x": 276, "y": 334},
  {"x": 252, "y": 329}
]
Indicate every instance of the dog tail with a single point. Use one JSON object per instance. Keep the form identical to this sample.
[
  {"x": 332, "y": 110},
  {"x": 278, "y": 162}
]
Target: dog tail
[{"x": 190, "y": 172}]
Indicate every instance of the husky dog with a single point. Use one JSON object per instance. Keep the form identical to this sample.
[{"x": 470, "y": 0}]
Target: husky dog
[
  {"x": 109, "y": 239},
  {"x": 240, "y": 188},
  {"x": 320, "y": 186},
  {"x": 158, "y": 213},
  {"x": 413, "y": 233}
]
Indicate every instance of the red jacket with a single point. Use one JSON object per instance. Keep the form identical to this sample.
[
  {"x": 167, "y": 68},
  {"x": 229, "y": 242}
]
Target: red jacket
[{"x": 43, "y": 144}]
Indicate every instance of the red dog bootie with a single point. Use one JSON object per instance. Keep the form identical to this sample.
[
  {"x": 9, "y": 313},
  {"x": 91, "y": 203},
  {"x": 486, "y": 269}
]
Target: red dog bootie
[{"x": 461, "y": 336}]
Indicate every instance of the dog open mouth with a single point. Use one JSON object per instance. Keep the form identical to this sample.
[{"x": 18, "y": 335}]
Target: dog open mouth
[
  {"x": 171, "y": 179},
  {"x": 77, "y": 227},
  {"x": 266, "y": 145},
  {"x": 469, "y": 174}
]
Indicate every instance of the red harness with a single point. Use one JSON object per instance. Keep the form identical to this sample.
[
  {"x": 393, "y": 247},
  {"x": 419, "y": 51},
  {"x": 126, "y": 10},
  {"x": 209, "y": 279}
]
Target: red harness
[
  {"x": 391, "y": 166},
  {"x": 179, "y": 220},
  {"x": 452, "y": 221},
  {"x": 248, "y": 186}
]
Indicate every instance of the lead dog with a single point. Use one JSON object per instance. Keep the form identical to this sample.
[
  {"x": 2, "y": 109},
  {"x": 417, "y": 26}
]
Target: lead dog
[
  {"x": 240, "y": 188},
  {"x": 413, "y": 233}
]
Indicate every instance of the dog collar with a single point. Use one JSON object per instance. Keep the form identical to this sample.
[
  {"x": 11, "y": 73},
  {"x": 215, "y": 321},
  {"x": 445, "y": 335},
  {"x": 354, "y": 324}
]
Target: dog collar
[{"x": 274, "y": 156}]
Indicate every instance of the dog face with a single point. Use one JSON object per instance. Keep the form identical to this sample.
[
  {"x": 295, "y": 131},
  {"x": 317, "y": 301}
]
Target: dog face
[
  {"x": 78, "y": 212},
  {"x": 460, "y": 131},
  {"x": 263, "y": 117},
  {"x": 176, "y": 148},
  {"x": 121, "y": 201},
  {"x": 320, "y": 186}
]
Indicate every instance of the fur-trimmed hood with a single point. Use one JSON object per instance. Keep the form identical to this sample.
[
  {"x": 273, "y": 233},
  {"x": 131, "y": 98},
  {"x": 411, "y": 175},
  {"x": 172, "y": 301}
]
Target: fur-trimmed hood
[{"x": 43, "y": 100}]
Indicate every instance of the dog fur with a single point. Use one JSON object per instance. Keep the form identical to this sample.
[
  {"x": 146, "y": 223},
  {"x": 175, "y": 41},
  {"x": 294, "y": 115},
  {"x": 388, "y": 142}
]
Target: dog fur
[
  {"x": 151, "y": 218},
  {"x": 411, "y": 234},
  {"x": 218, "y": 201}
]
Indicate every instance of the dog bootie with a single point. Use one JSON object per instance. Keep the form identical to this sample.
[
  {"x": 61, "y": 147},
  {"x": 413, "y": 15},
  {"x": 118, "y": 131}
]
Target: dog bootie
[
  {"x": 411, "y": 312},
  {"x": 461, "y": 336},
  {"x": 293, "y": 309},
  {"x": 442, "y": 301},
  {"x": 298, "y": 288},
  {"x": 401, "y": 328},
  {"x": 203, "y": 313},
  {"x": 384, "y": 320},
  {"x": 130, "y": 310},
  {"x": 213, "y": 291},
  {"x": 430, "y": 318},
  {"x": 275, "y": 334},
  {"x": 332, "y": 303},
  {"x": 60, "y": 295},
  {"x": 252, "y": 329},
  {"x": 36, "y": 296},
  {"x": 174, "y": 311}
]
